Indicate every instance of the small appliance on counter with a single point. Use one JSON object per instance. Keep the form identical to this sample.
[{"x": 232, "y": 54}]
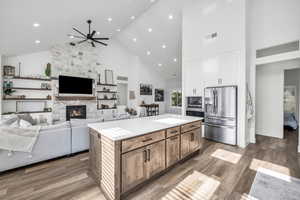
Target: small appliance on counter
[
  {"x": 194, "y": 106},
  {"x": 220, "y": 104}
]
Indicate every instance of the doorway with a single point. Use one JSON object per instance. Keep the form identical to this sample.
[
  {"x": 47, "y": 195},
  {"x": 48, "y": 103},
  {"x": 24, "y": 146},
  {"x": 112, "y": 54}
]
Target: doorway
[{"x": 291, "y": 102}]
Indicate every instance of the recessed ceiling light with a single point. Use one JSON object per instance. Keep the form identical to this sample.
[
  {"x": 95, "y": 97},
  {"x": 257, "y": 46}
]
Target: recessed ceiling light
[
  {"x": 175, "y": 59},
  {"x": 118, "y": 30},
  {"x": 37, "y": 41},
  {"x": 109, "y": 19},
  {"x": 152, "y": 1},
  {"x": 71, "y": 36},
  {"x": 132, "y": 17},
  {"x": 36, "y": 25},
  {"x": 148, "y": 53},
  {"x": 98, "y": 33},
  {"x": 159, "y": 64},
  {"x": 134, "y": 39},
  {"x": 164, "y": 46},
  {"x": 149, "y": 30},
  {"x": 171, "y": 16}
]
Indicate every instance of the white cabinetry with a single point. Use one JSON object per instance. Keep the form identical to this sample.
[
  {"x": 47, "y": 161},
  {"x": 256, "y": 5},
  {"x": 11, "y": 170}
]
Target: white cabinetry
[
  {"x": 215, "y": 71},
  {"x": 194, "y": 81}
]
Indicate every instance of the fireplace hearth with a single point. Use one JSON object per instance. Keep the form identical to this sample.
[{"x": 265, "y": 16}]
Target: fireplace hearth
[{"x": 75, "y": 112}]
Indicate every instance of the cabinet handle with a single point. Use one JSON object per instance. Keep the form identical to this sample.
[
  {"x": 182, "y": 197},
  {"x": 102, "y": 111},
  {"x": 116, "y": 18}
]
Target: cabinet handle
[
  {"x": 149, "y": 154},
  {"x": 147, "y": 140},
  {"x": 173, "y": 132},
  {"x": 145, "y": 155},
  {"x": 192, "y": 137}
]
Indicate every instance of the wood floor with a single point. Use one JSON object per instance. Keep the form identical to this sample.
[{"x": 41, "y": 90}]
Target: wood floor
[{"x": 230, "y": 170}]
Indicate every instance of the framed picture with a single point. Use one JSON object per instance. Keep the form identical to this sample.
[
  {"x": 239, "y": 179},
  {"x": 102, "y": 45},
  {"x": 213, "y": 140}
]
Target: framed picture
[
  {"x": 159, "y": 95},
  {"x": 109, "y": 76},
  {"x": 145, "y": 89}
]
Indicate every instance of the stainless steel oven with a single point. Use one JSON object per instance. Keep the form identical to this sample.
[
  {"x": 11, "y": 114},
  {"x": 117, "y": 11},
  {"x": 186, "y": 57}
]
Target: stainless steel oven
[{"x": 194, "y": 102}]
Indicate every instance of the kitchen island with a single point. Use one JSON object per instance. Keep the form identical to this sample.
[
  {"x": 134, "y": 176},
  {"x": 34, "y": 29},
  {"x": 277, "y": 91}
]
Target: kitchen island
[{"x": 127, "y": 153}]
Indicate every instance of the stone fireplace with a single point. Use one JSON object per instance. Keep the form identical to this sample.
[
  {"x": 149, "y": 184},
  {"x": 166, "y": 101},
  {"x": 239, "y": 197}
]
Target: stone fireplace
[{"x": 75, "y": 112}]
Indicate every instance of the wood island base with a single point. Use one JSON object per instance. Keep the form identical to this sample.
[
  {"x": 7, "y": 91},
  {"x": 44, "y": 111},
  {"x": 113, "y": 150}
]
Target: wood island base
[{"x": 121, "y": 166}]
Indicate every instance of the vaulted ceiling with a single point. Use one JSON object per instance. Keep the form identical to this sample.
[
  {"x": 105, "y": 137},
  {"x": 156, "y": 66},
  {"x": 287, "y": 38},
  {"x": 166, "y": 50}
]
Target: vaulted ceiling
[{"x": 150, "y": 29}]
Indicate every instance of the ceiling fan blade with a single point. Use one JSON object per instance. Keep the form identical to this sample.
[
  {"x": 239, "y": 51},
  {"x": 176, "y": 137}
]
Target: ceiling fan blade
[
  {"x": 100, "y": 42},
  {"x": 79, "y": 32},
  {"x": 75, "y": 36},
  {"x": 93, "y": 33},
  {"x": 81, "y": 41},
  {"x": 100, "y": 38},
  {"x": 93, "y": 44}
]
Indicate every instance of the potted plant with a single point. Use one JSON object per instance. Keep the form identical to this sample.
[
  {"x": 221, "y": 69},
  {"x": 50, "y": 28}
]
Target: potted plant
[{"x": 48, "y": 70}]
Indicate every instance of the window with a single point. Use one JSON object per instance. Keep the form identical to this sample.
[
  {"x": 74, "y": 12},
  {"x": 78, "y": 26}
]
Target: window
[{"x": 176, "y": 98}]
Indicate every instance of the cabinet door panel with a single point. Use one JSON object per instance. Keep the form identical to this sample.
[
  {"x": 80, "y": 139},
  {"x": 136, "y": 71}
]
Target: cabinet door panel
[
  {"x": 134, "y": 169},
  {"x": 156, "y": 158},
  {"x": 195, "y": 140},
  {"x": 185, "y": 144},
  {"x": 173, "y": 150}
]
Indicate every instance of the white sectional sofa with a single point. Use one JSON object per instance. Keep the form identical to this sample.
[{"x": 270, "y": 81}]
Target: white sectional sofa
[{"x": 54, "y": 141}]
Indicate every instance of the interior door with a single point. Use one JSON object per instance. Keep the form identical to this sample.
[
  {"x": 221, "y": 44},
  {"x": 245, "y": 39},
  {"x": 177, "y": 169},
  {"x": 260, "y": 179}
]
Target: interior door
[
  {"x": 156, "y": 158},
  {"x": 134, "y": 169}
]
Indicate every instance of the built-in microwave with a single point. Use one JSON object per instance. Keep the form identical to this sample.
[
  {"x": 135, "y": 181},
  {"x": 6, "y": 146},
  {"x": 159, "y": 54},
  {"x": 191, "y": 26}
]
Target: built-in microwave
[{"x": 194, "y": 102}]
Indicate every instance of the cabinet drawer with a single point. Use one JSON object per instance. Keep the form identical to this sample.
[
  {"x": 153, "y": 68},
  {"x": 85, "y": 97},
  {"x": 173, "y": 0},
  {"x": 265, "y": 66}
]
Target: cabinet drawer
[
  {"x": 173, "y": 131},
  {"x": 134, "y": 143},
  {"x": 190, "y": 126}
]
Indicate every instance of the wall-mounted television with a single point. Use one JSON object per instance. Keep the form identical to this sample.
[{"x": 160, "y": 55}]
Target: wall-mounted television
[{"x": 75, "y": 85}]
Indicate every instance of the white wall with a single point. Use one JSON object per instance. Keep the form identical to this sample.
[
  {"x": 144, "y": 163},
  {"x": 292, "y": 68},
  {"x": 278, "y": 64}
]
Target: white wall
[
  {"x": 173, "y": 84},
  {"x": 270, "y": 23},
  {"x": 205, "y": 61},
  {"x": 119, "y": 59},
  {"x": 269, "y": 97}
]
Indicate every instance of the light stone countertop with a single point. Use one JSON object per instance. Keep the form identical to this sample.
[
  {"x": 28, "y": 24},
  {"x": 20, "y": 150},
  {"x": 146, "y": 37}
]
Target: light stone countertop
[{"x": 124, "y": 129}]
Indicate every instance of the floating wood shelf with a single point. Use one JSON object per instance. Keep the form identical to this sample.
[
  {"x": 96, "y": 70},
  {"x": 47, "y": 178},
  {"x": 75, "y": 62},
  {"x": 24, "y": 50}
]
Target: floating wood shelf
[
  {"x": 33, "y": 112},
  {"x": 107, "y": 92},
  {"x": 104, "y": 84},
  {"x": 26, "y": 99},
  {"x": 107, "y": 108},
  {"x": 74, "y": 98},
  {"x": 108, "y": 99},
  {"x": 29, "y": 78},
  {"x": 20, "y": 88}
]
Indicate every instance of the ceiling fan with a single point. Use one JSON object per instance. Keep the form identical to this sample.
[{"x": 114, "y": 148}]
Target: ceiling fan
[{"x": 87, "y": 37}]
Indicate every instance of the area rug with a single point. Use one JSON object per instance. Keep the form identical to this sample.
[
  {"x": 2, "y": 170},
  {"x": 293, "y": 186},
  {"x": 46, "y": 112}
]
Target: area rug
[{"x": 269, "y": 184}]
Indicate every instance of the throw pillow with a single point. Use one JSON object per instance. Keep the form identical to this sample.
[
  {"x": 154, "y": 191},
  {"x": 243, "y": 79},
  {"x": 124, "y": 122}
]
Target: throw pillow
[
  {"x": 28, "y": 118},
  {"x": 24, "y": 124},
  {"x": 14, "y": 124}
]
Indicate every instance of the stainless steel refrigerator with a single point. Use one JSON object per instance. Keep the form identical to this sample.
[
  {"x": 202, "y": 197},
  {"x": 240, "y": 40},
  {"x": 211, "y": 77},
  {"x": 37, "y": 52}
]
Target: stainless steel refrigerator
[{"x": 220, "y": 104}]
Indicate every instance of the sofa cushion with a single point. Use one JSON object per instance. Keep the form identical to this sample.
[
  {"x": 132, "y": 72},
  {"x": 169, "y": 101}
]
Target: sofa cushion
[
  {"x": 28, "y": 118},
  {"x": 83, "y": 122},
  {"x": 62, "y": 125}
]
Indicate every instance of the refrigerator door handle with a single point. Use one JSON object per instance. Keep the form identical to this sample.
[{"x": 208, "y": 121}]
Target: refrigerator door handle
[
  {"x": 214, "y": 107},
  {"x": 220, "y": 126}
]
